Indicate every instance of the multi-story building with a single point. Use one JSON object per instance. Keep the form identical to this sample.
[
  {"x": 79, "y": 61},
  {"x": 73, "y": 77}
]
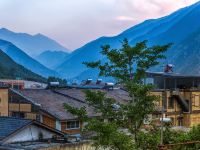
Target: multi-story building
[{"x": 179, "y": 96}]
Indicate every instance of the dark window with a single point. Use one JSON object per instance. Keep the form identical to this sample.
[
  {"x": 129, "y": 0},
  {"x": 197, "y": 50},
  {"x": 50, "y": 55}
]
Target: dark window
[
  {"x": 18, "y": 114},
  {"x": 188, "y": 103},
  {"x": 171, "y": 103},
  {"x": 73, "y": 124}
]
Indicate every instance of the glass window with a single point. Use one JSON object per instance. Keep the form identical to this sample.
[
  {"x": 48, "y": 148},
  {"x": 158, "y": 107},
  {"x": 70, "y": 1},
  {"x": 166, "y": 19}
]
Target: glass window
[{"x": 73, "y": 124}]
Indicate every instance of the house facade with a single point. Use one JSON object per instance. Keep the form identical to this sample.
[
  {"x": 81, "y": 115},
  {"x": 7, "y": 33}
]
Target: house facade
[
  {"x": 20, "y": 130},
  {"x": 46, "y": 105},
  {"x": 179, "y": 95}
]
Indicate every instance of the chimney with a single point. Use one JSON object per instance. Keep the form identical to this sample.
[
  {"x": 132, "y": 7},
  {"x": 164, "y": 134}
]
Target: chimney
[
  {"x": 99, "y": 81},
  {"x": 88, "y": 81}
]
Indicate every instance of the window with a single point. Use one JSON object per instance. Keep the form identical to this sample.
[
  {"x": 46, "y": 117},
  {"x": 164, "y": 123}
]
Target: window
[
  {"x": 73, "y": 125},
  {"x": 171, "y": 103},
  {"x": 18, "y": 114}
]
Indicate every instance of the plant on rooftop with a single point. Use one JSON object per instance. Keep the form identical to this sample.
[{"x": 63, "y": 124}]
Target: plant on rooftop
[{"x": 127, "y": 65}]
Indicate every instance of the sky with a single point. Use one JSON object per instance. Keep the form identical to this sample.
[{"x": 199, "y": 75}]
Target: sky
[{"x": 73, "y": 23}]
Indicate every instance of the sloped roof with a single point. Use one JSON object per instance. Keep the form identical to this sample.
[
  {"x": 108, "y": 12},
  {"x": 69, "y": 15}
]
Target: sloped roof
[
  {"x": 119, "y": 95},
  {"x": 52, "y": 100},
  {"x": 9, "y": 125},
  {"x": 52, "y": 103}
]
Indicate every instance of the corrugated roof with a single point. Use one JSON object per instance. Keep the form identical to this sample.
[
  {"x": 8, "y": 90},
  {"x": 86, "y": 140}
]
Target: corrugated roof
[{"x": 9, "y": 125}]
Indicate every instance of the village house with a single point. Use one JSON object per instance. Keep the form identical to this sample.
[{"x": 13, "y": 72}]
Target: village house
[
  {"x": 46, "y": 105},
  {"x": 179, "y": 96},
  {"x": 14, "y": 130}
]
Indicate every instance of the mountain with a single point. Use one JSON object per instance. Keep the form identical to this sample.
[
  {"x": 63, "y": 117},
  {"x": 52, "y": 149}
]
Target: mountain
[
  {"x": 11, "y": 70},
  {"x": 31, "y": 44},
  {"x": 187, "y": 55},
  {"x": 23, "y": 59},
  {"x": 174, "y": 28},
  {"x": 55, "y": 57}
]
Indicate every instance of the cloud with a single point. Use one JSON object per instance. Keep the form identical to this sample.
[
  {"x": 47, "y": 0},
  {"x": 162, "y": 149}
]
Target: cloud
[
  {"x": 124, "y": 18},
  {"x": 76, "y": 22}
]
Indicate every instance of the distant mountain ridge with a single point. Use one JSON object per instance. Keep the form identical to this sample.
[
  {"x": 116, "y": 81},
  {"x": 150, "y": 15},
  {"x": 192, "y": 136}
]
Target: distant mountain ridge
[
  {"x": 31, "y": 44},
  {"x": 11, "y": 70},
  {"x": 174, "y": 28},
  {"x": 23, "y": 59},
  {"x": 51, "y": 59}
]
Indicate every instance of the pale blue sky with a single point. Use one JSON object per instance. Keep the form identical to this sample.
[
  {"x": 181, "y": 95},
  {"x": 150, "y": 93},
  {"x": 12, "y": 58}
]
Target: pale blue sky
[{"x": 76, "y": 22}]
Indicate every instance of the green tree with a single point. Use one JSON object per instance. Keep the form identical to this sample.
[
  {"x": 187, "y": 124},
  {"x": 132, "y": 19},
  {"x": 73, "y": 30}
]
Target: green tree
[{"x": 127, "y": 65}]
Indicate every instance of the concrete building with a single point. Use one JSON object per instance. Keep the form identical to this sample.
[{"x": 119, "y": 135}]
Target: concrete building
[{"x": 179, "y": 96}]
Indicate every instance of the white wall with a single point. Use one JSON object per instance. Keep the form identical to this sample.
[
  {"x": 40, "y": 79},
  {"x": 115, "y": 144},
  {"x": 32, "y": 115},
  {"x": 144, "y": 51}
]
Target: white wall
[
  {"x": 30, "y": 133},
  {"x": 58, "y": 125}
]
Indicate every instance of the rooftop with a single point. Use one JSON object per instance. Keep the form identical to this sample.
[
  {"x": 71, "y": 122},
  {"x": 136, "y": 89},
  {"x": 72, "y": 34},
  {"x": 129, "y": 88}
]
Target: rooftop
[
  {"x": 170, "y": 75},
  {"x": 9, "y": 125},
  {"x": 52, "y": 101}
]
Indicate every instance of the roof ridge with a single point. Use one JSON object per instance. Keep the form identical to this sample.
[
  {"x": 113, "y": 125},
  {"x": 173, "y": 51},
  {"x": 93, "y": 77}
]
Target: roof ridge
[
  {"x": 66, "y": 95},
  {"x": 16, "y": 118}
]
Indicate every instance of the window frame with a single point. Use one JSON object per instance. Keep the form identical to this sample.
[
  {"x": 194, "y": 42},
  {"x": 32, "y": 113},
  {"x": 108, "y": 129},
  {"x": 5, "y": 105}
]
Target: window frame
[{"x": 75, "y": 126}]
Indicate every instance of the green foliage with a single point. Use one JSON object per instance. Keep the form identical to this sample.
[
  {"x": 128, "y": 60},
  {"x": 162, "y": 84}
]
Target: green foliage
[
  {"x": 194, "y": 133},
  {"x": 141, "y": 105},
  {"x": 121, "y": 62},
  {"x": 107, "y": 134},
  {"x": 63, "y": 82},
  {"x": 149, "y": 140},
  {"x": 80, "y": 113},
  {"x": 11, "y": 70},
  {"x": 128, "y": 66}
]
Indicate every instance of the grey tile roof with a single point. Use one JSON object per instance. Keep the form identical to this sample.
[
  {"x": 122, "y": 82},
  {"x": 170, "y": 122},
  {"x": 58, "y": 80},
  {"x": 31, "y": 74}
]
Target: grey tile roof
[
  {"x": 9, "y": 125},
  {"x": 52, "y": 101}
]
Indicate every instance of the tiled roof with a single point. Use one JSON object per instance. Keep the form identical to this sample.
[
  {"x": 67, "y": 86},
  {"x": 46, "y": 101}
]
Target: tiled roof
[
  {"x": 9, "y": 125},
  {"x": 52, "y": 100},
  {"x": 119, "y": 95}
]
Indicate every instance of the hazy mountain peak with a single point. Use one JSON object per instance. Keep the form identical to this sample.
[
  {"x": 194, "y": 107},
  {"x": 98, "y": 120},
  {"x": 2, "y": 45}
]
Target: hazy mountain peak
[
  {"x": 31, "y": 44},
  {"x": 23, "y": 59},
  {"x": 173, "y": 28},
  {"x": 55, "y": 57}
]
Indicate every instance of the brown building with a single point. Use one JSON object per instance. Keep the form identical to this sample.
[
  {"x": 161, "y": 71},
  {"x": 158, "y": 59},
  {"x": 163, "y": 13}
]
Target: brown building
[
  {"x": 46, "y": 106},
  {"x": 3, "y": 99}
]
